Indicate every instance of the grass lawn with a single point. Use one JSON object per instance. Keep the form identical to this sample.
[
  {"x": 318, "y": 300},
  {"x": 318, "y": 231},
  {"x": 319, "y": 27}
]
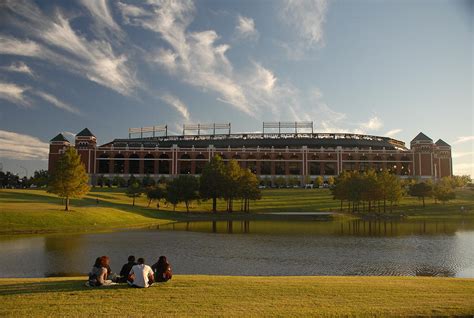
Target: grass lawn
[
  {"x": 242, "y": 296},
  {"x": 35, "y": 211}
]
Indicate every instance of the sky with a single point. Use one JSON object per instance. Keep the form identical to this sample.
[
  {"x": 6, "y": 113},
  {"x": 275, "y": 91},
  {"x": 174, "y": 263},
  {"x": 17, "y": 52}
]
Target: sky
[{"x": 389, "y": 68}]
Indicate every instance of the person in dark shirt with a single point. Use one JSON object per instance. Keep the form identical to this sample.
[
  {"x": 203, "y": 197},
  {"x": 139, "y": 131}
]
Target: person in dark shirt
[
  {"x": 126, "y": 268},
  {"x": 162, "y": 270}
]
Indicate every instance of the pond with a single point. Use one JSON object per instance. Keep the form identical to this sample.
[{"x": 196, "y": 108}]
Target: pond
[{"x": 435, "y": 248}]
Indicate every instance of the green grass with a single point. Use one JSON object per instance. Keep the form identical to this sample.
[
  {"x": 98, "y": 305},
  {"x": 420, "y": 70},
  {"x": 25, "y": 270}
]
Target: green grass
[
  {"x": 35, "y": 211},
  {"x": 198, "y": 295}
]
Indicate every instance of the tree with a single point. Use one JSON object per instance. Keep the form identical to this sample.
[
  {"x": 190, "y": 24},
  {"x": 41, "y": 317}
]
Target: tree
[
  {"x": 188, "y": 189},
  {"x": 148, "y": 181},
  {"x": 40, "y": 178},
  {"x": 212, "y": 181},
  {"x": 318, "y": 181},
  {"x": 233, "y": 173},
  {"x": 119, "y": 182},
  {"x": 421, "y": 190},
  {"x": 134, "y": 191},
  {"x": 444, "y": 190},
  {"x": 69, "y": 178},
  {"x": 249, "y": 190},
  {"x": 157, "y": 193},
  {"x": 331, "y": 181}
]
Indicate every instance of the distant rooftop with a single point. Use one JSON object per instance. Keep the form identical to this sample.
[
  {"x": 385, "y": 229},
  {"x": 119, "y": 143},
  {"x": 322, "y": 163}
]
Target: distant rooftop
[
  {"x": 85, "y": 133},
  {"x": 59, "y": 137}
]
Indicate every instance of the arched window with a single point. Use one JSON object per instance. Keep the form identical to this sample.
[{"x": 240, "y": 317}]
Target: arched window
[
  {"x": 329, "y": 168},
  {"x": 200, "y": 163},
  {"x": 252, "y": 164},
  {"x": 266, "y": 165},
  {"x": 294, "y": 165},
  {"x": 391, "y": 164},
  {"x": 119, "y": 163},
  {"x": 279, "y": 165},
  {"x": 133, "y": 164},
  {"x": 149, "y": 164},
  {"x": 405, "y": 168},
  {"x": 164, "y": 164},
  {"x": 363, "y": 164},
  {"x": 104, "y": 163},
  {"x": 377, "y": 163},
  {"x": 185, "y": 164}
]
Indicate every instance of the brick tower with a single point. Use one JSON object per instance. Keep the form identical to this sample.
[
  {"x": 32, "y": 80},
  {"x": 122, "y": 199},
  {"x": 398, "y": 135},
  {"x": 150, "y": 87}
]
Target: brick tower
[
  {"x": 443, "y": 165},
  {"x": 85, "y": 144},
  {"x": 423, "y": 151},
  {"x": 57, "y": 145}
]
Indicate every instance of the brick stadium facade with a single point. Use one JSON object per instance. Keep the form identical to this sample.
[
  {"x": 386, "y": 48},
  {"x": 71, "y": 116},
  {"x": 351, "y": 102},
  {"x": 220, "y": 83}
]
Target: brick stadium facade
[{"x": 268, "y": 154}]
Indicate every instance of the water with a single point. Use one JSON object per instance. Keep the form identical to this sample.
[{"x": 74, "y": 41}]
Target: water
[{"x": 258, "y": 248}]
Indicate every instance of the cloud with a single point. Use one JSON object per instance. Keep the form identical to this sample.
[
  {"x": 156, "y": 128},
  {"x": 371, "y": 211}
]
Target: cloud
[
  {"x": 19, "y": 67},
  {"x": 306, "y": 18},
  {"x": 194, "y": 57},
  {"x": 464, "y": 139},
  {"x": 17, "y": 94},
  {"x": 58, "y": 43},
  {"x": 53, "y": 100},
  {"x": 393, "y": 132},
  {"x": 464, "y": 168},
  {"x": 14, "y": 94},
  {"x": 100, "y": 11},
  {"x": 374, "y": 123},
  {"x": 22, "y": 147},
  {"x": 461, "y": 154},
  {"x": 177, "y": 104},
  {"x": 245, "y": 28}
]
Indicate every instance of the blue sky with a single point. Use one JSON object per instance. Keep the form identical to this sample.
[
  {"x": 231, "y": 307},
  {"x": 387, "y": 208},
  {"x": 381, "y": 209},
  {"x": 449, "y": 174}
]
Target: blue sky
[{"x": 391, "y": 68}]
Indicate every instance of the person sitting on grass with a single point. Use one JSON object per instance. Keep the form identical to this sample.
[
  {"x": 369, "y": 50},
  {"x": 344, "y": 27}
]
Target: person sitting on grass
[
  {"x": 126, "y": 268},
  {"x": 141, "y": 275},
  {"x": 99, "y": 273},
  {"x": 162, "y": 270}
]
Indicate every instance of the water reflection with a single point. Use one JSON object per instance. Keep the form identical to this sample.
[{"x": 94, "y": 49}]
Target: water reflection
[
  {"x": 350, "y": 228},
  {"x": 258, "y": 248}
]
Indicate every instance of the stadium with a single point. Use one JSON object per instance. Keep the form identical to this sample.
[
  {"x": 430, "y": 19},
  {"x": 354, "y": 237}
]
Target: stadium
[{"x": 282, "y": 149}]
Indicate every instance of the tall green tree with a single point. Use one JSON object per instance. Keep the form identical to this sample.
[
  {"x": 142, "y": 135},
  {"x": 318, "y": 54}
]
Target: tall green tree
[
  {"x": 443, "y": 190},
  {"x": 232, "y": 183},
  {"x": 212, "y": 181},
  {"x": 156, "y": 193},
  {"x": 134, "y": 190},
  {"x": 40, "y": 178},
  {"x": 421, "y": 190},
  {"x": 249, "y": 188},
  {"x": 69, "y": 178},
  {"x": 184, "y": 188}
]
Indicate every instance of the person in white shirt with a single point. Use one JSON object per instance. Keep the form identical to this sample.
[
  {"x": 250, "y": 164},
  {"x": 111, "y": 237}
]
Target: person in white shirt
[{"x": 141, "y": 275}]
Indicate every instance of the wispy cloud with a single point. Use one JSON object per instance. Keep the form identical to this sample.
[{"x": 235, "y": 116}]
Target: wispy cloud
[
  {"x": 100, "y": 11},
  {"x": 21, "y": 147},
  {"x": 457, "y": 154},
  {"x": 245, "y": 28},
  {"x": 14, "y": 93},
  {"x": 177, "y": 104},
  {"x": 306, "y": 18},
  {"x": 464, "y": 168},
  {"x": 53, "y": 100},
  {"x": 393, "y": 132},
  {"x": 464, "y": 139},
  {"x": 374, "y": 123},
  {"x": 19, "y": 67},
  {"x": 18, "y": 95},
  {"x": 194, "y": 57},
  {"x": 57, "y": 42}
]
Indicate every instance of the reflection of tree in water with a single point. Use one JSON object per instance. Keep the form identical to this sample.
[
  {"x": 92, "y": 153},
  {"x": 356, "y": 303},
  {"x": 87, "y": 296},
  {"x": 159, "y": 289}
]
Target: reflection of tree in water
[
  {"x": 426, "y": 270},
  {"x": 62, "y": 256}
]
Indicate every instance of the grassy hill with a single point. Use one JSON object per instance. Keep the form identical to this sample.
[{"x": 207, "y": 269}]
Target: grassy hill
[{"x": 198, "y": 295}]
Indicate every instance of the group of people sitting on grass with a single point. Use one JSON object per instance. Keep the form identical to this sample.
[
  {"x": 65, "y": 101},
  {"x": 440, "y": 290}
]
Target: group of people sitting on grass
[{"x": 136, "y": 274}]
